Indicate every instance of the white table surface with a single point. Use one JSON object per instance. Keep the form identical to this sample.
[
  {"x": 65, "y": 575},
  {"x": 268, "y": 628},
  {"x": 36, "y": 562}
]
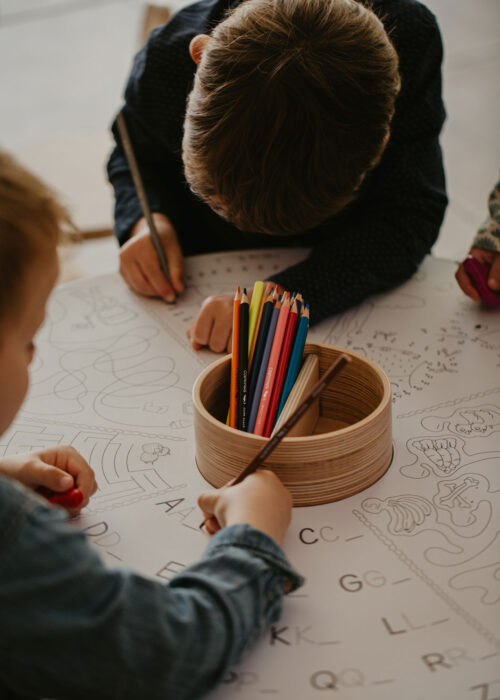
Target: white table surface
[{"x": 402, "y": 598}]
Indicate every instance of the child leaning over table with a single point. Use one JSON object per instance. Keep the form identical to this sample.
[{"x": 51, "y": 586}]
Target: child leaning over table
[
  {"x": 287, "y": 123},
  {"x": 70, "y": 627}
]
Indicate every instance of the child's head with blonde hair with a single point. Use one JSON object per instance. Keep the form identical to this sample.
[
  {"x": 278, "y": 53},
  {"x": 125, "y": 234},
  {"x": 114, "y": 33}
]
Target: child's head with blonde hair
[
  {"x": 291, "y": 106},
  {"x": 30, "y": 225},
  {"x": 31, "y": 219}
]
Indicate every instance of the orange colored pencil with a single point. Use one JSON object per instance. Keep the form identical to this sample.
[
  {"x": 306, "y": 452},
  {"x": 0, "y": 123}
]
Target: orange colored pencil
[
  {"x": 272, "y": 366},
  {"x": 233, "y": 392},
  {"x": 282, "y": 368}
]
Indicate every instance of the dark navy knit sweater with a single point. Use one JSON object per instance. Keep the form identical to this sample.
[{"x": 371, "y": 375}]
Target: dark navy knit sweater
[{"x": 376, "y": 243}]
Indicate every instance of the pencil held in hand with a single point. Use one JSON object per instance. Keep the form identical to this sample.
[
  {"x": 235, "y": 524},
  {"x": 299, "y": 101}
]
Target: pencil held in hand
[
  {"x": 141, "y": 193},
  {"x": 335, "y": 368}
]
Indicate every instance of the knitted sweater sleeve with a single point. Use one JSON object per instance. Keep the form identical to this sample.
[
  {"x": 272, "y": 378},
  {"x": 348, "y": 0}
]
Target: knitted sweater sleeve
[
  {"x": 381, "y": 238},
  {"x": 155, "y": 98}
]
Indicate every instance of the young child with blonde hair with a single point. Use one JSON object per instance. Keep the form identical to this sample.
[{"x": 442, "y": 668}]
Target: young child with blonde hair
[{"x": 70, "y": 627}]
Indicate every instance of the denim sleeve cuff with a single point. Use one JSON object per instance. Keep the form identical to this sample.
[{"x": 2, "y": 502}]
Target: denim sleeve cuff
[{"x": 259, "y": 544}]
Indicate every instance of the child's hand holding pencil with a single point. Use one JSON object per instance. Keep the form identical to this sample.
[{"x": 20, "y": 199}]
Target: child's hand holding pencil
[{"x": 260, "y": 500}]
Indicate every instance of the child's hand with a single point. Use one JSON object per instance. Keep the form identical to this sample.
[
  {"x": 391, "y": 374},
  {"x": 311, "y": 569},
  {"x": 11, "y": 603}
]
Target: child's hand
[
  {"x": 214, "y": 324},
  {"x": 58, "y": 469},
  {"x": 260, "y": 500},
  {"x": 485, "y": 256},
  {"x": 139, "y": 263}
]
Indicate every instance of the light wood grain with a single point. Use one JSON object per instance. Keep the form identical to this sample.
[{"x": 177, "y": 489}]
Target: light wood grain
[{"x": 316, "y": 468}]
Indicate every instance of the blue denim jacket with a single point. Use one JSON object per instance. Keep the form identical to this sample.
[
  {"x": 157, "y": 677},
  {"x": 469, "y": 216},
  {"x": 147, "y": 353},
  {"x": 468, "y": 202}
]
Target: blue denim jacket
[{"x": 71, "y": 628}]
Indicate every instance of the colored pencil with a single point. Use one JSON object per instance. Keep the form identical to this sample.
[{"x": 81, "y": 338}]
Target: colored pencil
[
  {"x": 295, "y": 358},
  {"x": 300, "y": 303},
  {"x": 233, "y": 392},
  {"x": 271, "y": 444},
  {"x": 261, "y": 368},
  {"x": 141, "y": 193},
  {"x": 258, "y": 289},
  {"x": 263, "y": 300},
  {"x": 282, "y": 368},
  {"x": 260, "y": 345},
  {"x": 243, "y": 362},
  {"x": 272, "y": 367}
]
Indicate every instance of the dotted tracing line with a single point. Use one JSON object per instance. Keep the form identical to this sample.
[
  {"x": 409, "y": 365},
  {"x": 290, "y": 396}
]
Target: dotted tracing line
[
  {"x": 100, "y": 429},
  {"x": 448, "y": 404}
]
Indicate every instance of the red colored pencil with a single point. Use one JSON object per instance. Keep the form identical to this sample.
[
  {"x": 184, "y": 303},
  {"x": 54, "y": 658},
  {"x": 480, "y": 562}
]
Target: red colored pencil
[
  {"x": 282, "y": 368},
  {"x": 272, "y": 367},
  {"x": 233, "y": 392}
]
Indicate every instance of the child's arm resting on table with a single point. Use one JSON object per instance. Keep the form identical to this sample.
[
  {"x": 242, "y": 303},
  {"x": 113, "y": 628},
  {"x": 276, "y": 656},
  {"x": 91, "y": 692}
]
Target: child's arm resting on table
[
  {"x": 72, "y": 628},
  {"x": 58, "y": 469}
]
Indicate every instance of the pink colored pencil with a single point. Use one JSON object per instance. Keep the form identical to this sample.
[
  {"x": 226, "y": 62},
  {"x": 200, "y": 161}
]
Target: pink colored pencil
[
  {"x": 272, "y": 367},
  {"x": 282, "y": 368}
]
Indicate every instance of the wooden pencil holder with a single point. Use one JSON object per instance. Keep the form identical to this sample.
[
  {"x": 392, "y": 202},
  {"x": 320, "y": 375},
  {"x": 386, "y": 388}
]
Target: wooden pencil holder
[{"x": 350, "y": 449}]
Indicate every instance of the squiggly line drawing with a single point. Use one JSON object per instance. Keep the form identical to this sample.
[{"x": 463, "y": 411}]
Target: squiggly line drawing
[
  {"x": 442, "y": 456},
  {"x": 152, "y": 450},
  {"x": 485, "y": 578},
  {"x": 479, "y": 421},
  {"x": 405, "y": 512}
]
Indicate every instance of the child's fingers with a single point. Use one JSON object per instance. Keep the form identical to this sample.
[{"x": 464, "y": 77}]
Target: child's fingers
[
  {"x": 465, "y": 283},
  {"x": 83, "y": 475},
  {"x": 150, "y": 266},
  {"x": 66, "y": 458},
  {"x": 494, "y": 276},
  {"x": 207, "y": 502},
  {"x": 175, "y": 261},
  {"x": 212, "y": 525},
  {"x": 221, "y": 332},
  {"x": 53, "y": 478},
  {"x": 484, "y": 256},
  {"x": 134, "y": 277},
  {"x": 202, "y": 327}
]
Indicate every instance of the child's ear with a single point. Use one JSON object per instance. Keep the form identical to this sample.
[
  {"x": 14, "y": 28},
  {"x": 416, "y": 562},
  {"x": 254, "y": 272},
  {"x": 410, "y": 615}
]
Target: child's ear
[{"x": 197, "y": 47}]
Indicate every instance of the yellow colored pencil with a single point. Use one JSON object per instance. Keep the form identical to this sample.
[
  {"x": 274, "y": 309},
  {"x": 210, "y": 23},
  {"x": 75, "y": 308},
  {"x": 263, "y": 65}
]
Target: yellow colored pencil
[{"x": 258, "y": 289}]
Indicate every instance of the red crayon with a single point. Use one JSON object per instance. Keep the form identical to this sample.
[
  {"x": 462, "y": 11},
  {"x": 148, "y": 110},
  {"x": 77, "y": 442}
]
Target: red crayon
[{"x": 69, "y": 499}]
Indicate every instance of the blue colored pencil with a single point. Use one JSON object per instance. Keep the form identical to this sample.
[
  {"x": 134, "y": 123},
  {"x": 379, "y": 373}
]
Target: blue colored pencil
[
  {"x": 254, "y": 408},
  {"x": 295, "y": 358}
]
